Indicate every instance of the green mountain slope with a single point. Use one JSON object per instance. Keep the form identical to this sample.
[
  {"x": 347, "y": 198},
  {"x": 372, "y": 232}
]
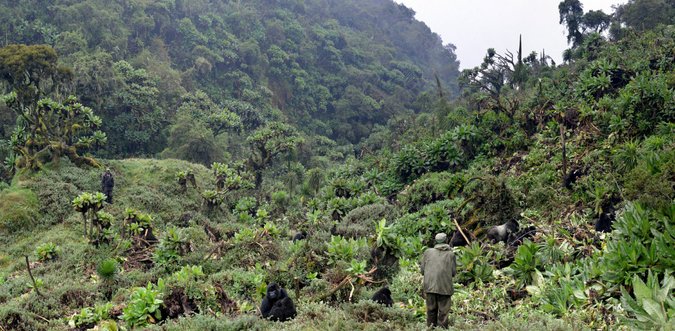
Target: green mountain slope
[
  {"x": 581, "y": 156},
  {"x": 333, "y": 68}
]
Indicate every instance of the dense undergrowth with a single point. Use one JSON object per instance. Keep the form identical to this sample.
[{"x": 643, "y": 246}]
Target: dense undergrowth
[{"x": 565, "y": 151}]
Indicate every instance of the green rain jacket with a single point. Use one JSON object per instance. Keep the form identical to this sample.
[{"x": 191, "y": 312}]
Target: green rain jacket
[{"x": 439, "y": 267}]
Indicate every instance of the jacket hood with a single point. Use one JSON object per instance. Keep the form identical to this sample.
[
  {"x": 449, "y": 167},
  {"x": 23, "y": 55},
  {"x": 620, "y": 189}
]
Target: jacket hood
[{"x": 442, "y": 247}]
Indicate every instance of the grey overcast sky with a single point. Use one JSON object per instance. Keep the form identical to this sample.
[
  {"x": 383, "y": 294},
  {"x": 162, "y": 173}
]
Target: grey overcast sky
[{"x": 476, "y": 25}]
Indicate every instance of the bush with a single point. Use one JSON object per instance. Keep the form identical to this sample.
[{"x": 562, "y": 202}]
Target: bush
[
  {"x": 429, "y": 221},
  {"x": 360, "y": 222},
  {"x": 144, "y": 304},
  {"x": 18, "y": 210},
  {"x": 47, "y": 252},
  {"x": 642, "y": 241},
  {"x": 430, "y": 188}
]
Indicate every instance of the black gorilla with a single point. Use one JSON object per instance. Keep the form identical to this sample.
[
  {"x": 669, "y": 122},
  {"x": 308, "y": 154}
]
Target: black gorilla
[
  {"x": 608, "y": 215},
  {"x": 383, "y": 297},
  {"x": 276, "y": 305},
  {"x": 604, "y": 222},
  {"x": 300, "y": 236},
  {"x": 502, "y": 232},
  {"x": 457, "y": 239}
]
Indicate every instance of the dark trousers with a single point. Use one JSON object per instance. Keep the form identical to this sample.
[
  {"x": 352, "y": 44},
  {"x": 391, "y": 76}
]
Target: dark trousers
[
  {"x": 109, "y": 195},
  {"x": 438, "y": 307}
]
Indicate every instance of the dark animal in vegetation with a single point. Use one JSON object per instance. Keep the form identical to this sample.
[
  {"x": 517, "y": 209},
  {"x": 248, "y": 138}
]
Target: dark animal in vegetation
[
  {"x": 571, "y": 177},
  {"x": 213, "y": 233},
  {"x": 276, "y": 305},
  {"x": 458, "y": 239},
  {"x": 604, "y": 222},
  {"x": 177, "y": 303},
  {"x": 300, "y": 236},
  {"x": 386, "y": 262},
  {"x": 191, "y": 178},
  {"x": 608, "y": 215},
  {"x": 502, "y": 232},
  {"x": 107, "y": 185},
  {"x": 383, "y": 297},
  {"x": 148, "y": 238},
  {"x": 184, "y": 220},
  {"x": 520, "y": 236}
]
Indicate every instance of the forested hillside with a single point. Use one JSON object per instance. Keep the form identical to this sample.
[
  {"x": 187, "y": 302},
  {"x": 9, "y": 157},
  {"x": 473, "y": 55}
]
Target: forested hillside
[
  {"x": 320, "y": 145},
  {"x": 332, "y": 68}
]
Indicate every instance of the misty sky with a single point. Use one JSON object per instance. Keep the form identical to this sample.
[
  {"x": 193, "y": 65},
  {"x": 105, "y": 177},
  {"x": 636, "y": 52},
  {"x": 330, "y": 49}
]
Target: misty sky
[{"x": 476, "y": 25}]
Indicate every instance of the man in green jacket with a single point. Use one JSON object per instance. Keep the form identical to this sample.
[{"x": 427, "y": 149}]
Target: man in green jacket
[{"x": 438, "y": 267}]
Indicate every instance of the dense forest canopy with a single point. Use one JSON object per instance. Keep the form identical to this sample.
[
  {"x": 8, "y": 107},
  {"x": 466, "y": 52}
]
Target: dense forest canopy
[
  {"x": 332, "y": 68},
  {"x": 313, "y": 150}
]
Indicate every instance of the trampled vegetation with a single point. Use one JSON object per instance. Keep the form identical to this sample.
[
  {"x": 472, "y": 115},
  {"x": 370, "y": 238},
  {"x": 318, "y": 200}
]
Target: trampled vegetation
[{"x": 255, "y": 122}]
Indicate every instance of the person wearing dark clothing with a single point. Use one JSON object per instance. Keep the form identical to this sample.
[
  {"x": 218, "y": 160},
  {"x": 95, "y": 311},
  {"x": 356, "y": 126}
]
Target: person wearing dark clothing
[
  {"x": 107, "y": 184},
  {"x": 438, "y": 267}
]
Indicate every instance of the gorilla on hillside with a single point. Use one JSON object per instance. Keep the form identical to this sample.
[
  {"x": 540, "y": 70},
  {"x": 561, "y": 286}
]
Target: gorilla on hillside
[
  {"x": 300, "y": 236},
  {"x": 276, "y": 305},
  {"x": 383, "y": 297},
  {"x": 502, "y": 232}
]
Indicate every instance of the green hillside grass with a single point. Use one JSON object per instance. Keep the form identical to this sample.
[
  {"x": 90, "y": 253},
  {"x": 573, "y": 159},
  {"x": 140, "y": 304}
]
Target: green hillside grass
[{"x": 245, "y": 265}]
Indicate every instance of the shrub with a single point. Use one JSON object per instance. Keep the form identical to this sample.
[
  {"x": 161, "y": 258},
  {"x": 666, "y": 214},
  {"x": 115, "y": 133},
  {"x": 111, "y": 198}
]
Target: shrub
[
  {"x": 89, "y": 317},
  {"x": 107, "y": 269},
  {"x": 525, "y": 263},
  {"x": 341, "y": 249},
  {"x": 430, "y": 188},
  {"x": 642, "y": 241},
  {"x": 18, "y": 210},
  {"x": 144, "y": 304},
  {"x": 360, "y": 221},
  {"x": 473, "y": 264},
  {"x": 47, "y": 252}
]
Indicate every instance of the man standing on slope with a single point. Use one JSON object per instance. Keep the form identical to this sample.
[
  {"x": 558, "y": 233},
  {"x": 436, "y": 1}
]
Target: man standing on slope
[
  {"x": 107, "y": 184},
  {"x": 438, "y": 267}
]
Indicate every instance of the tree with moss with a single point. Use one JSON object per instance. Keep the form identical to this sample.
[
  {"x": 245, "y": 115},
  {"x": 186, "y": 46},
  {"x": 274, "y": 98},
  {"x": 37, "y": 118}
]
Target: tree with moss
[
  {"x": 46, "y": 129},
  {"x": 266, "y": 143}
]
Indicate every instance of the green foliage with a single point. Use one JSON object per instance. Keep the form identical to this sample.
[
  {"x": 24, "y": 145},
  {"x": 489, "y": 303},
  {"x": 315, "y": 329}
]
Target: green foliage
[
  {"x": 653, "y": 307},
  {"x": 268, "y": 142},
  {"x": 107, "y": 269},
  {"x": 357, "y": 267},
  {"x": 430, "y": 188},
  {"x": 18, "y": 210},
  {"x": 86, "y": 201},
  {"x": 88, "y": 317},
  {"x": 643, "y": 240},
  {"x": 170, "y": 248},
  {"x": 525, "y": 263},
  {"x": 144, "y": 305},
  {"x": 136, "y": 222},
  {"x": 341, "y": 249},
  {"x": 39, "y": 283},
  {"x": 560, "y": 298},
  {"x": 68, "y": 124},
  {"x": 47, "y": 252},
  {"x": 473, "y": 264}
]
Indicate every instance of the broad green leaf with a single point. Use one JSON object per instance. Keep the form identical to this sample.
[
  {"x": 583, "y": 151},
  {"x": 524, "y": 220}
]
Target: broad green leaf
[{"x": 641, "y": 290}]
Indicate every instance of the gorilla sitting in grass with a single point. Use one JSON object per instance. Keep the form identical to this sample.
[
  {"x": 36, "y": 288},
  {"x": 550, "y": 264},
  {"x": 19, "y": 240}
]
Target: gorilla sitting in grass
[
  {"x": 383, "y": 297},
  {"x": 276, "y": 305}
]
